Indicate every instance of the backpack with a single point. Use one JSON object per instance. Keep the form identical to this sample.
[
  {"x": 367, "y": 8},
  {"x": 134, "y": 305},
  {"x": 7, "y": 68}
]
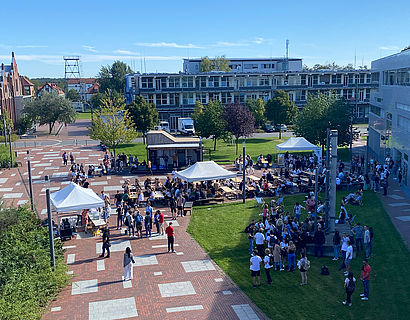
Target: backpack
[
  {"x": 139, "y": 219},
  {"x": 271, "y": 260},
  {"x": 306, "y": 265},
  {"x": 351, "y": 286},
  {"x": 126, "y": 222},
  {"x": 272, "y": 241},
  {"x": 324, "y": 271}
]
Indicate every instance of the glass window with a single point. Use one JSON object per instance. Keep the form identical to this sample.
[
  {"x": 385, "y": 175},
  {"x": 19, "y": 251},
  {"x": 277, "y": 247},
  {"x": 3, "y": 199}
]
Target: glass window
[
  {"x": 173, "y": 82},
  {"x": 303, "y": 79},
  {"x": 315, "y": 79},
  {"x": 213, "y": 82},
  {"x": 203, "y": 82},
  {"x": 188, "y": 98},
  {"x": 214, "y": 96},
  {"x": 263, "y": 81},
  {"x": 375, "y": 110},
  {"x": 187, "y": 82},
  {"x": 147, "y": 83},
  {"x": 225, "y": 82},
  {"x": 161, "y": 99},
  {"x": 201, "y": 97},
  {"x": 225, "y": 97}
]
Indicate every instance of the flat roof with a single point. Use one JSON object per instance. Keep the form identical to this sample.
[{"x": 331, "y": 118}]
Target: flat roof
[
  {"x": 249, "y": 59},
  {"x": 174, "y": 146}
]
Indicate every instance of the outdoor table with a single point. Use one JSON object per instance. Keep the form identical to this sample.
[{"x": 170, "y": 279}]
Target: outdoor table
[
  {"x": 133, "y": 195},
  {"x": 252, "y": 177},
  {"x": 237, "y": 179}
]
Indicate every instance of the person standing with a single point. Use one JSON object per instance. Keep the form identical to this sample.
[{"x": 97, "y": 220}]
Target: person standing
[
  {"x": 350, "y": 284},
  {"x": 345, "y": 239},
  {"x": 250, "y": 231},
  {"x": 148, "y": 222},
  {"x": 171, "y": 237},
  {"x": 365, "y": 277},
  {"x": 130, "y": 224},
  {"x": 119, "y": 216},
  {"x": 291, "y": 256},
  {"x": 106, "y": 243},
  {"x": 180, "y": 204},
  {"x": 161, "y": 221},
  {"x": 173, "y": 207},
  {"x": 65, "y": 158},
  {"x": 336, "y": 245},
  {"x": 268, "y": 265},
  {"x": 366, "y": 241},
  {"x": 358, "y": 236},
  {"x": 255, "y": 267},
  {"x": 304, "y": 266},
  {"x": 319, "y": 240},
  {"x": 138, "y": 218},
  {"x": 260, "y": 242},
  {"x": 128, "y": 261},
  {"x": 71, "y": 158},
  {"x": 297, "y": 211},
  {"x": 349, "y": 257},
  {"x": 156, "y": 220}
]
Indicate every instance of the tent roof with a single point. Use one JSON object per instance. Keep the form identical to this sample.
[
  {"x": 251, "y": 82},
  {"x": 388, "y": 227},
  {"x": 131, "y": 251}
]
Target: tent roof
[
  {"x": 75, "y": 198},
  {"x": 203, "y": 171},
  {"x": 298, "y": 143}
]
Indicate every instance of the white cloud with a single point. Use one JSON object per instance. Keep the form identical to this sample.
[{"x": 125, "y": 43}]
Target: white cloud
[
  {"x": 167, "y": 45},
  {"x": 259, "y": 40},
  {"x": 89, "y": 48},
  {"x": 389, "y": 48},
  {"x": 231, "y": 44},
  {"x": 119, "y": 51},
  {"x": 101, "y": 57}
]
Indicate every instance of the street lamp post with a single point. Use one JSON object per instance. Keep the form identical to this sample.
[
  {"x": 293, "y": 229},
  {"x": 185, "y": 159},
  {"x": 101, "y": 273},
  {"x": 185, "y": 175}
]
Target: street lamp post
[
  {"x": 30, "y": 181},
  {"x": 50, "y": 223},
  {"x": 243, "y": 173},
  {"x": 316, "y": 194},
  {"x": 4, "y": 128},
  {"x": 11, "y": 151}
]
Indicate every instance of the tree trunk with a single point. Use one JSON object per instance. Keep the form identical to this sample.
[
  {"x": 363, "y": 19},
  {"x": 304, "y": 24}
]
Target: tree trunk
[
  {"x": 214, "y": 143},
  {"x": 143, "y": 138},
  {"x": 280, "y": 132}
]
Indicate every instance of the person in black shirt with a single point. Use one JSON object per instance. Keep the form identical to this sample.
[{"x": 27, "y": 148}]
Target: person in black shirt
[
  {"x": 106, "y": 243},
  {"x": 119, "y": 216}
]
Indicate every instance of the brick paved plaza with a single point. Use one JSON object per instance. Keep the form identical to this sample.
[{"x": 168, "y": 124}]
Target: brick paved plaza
[{"x": 181, "y": 285}]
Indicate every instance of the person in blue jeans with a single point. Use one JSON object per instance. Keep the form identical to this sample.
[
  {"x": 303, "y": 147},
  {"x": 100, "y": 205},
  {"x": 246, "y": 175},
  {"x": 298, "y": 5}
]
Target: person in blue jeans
[
  {"x": 148, "y": 222},
  {"x": 250, "y": 231},
  {"x": 130, "y": 224},
  {"x": 336, "y": 245},
  {"x": 291, "y": 256}
]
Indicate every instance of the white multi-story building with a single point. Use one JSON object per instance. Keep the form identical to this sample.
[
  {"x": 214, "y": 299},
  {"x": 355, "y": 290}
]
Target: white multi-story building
[
  {"x": 389, "y": 117},
  {"x": 81, "y": 85},
  {"x": 175, "y": 94}
]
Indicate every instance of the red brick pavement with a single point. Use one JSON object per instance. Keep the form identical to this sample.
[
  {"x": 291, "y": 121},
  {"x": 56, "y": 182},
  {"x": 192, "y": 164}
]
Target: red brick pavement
[{"x": 149, "y": 303}]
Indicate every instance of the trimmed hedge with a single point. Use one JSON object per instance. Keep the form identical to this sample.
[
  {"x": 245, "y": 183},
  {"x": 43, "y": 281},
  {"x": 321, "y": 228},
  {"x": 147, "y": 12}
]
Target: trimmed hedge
[
  {"x": 27, "y": 282},
  {"x": 5, "y": 157}
]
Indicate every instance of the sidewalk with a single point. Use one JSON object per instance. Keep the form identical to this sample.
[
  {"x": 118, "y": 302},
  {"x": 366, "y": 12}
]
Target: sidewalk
[{"x": 182, "y": 285}]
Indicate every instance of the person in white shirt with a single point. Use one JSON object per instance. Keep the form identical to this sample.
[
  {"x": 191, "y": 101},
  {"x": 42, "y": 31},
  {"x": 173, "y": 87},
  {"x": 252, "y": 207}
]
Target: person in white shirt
[
  {"x": 268, "y": 266},
  {"x": 260, "y": 242},
  {"x": 255, "y": 267},
  {"x": 345, "y": 239},
  {"x": 349, "y": 256}
]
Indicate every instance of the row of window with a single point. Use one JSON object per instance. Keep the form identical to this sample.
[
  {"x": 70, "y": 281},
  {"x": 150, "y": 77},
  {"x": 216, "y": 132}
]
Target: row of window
[
  {"x": 398, "y": 77},
  {"x": 228, "y": 97},
  {"x": 216, "y": 82}
]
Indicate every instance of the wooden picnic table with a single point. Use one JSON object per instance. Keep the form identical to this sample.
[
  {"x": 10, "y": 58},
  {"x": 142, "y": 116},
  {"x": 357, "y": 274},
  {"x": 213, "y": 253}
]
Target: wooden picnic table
[{"x": 252, "y": 177}]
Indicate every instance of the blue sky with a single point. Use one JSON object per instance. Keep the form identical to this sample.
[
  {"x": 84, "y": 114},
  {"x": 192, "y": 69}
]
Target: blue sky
[{"x": 165, "y": 32}]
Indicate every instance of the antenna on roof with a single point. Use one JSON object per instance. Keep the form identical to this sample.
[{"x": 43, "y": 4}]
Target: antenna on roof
[
  {"x": 355, "y": 58},
  {"x": 286, "y": 62}
]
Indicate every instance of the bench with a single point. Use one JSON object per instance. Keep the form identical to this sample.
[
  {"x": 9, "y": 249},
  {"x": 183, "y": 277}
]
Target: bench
[
  {"x": 188, "y": 208},
  {"x": 201, "y": 202}
]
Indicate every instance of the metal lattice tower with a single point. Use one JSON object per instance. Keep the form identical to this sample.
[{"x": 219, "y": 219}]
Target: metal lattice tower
[{"x": 72, "y": 67}]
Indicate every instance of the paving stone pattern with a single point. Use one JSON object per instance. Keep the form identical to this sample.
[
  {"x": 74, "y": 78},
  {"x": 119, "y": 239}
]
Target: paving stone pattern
[{"x": 161, "y": 287}]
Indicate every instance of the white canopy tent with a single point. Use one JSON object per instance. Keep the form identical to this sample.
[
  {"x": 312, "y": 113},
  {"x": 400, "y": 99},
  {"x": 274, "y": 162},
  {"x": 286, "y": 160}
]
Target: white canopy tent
[
  {"x": 300, "y": 144},
  {"x": 203, "y": 171},
  {"x": 75, "y": 198}
]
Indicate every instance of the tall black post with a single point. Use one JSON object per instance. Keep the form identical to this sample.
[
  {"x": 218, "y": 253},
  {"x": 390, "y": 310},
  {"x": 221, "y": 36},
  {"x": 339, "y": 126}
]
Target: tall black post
[
  {"x": 11, "y": 151},
  {"x": 30, "y": 181},
  {"x": 243, "y": 173},
  {"x": 4, "y": 127},
  {"x": 50, "y": 225},
  {"x": 316, "y": 194}
]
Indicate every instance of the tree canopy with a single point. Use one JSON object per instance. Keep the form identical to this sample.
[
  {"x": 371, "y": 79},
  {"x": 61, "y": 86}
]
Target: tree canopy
[
  {"x": 209, "y": 121},
  {"x": 72, "y": 95},
  {"x": 280, "y": 109},
  {"x": 113, "y": 77},
  {"x": 257, "y": 107},
  {"x": 240, "y": 121},
  {"x": 112, "y": 124},
  {"x": 50, "y": 108},
  {"x": 216, "y": 64},
  {"x": 143, "y": 114},
  {"x": 322, "y": 112}
]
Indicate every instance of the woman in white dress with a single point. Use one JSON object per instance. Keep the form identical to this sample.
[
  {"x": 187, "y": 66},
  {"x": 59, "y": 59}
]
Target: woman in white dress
[{"x": 128, "y": 261}]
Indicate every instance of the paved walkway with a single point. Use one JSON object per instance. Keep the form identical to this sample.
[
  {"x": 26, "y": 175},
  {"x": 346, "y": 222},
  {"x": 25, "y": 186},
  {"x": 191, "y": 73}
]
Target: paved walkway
[{"x": 181, "y": 285}]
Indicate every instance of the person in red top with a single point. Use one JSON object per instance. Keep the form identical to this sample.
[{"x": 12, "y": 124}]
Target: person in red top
[
  {"x": 365, "y": 276},
  {"x": 171, "y": 236},
  {"x": 161, "y": 220}
]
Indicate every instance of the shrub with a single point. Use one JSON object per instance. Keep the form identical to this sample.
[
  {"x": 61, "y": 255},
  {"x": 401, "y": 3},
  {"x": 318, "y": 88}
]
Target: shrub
[{"x": 27, "y": 282}]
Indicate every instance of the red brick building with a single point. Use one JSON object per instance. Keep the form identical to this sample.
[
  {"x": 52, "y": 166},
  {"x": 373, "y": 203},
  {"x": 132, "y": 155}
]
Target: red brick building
[{"x": 13, "y": 90}]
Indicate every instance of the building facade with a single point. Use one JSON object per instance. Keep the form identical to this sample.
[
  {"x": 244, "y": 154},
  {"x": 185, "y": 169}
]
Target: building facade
[
  {"x": 389, "y": 117},
  {"x": 14, "y": 89},
  {"x": 175, "y": 94},
  {"x": 82, "y": 86},
  {"x": 50, "y": 87}
]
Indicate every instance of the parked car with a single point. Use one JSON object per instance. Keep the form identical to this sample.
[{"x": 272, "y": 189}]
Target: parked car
[
  {"x": 281, "y": 127},
  {"x": 268, "y": 128}
]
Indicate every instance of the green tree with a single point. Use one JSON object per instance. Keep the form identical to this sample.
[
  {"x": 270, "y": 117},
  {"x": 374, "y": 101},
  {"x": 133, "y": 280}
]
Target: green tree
[
  {"x": 73, "y": 95},
  {"x": 280, "y": 109},
  {"x": 257, "y": 107},
  {"x": 209, "y": 121},
  {"x": 49, "y": 109},
  {"x": 113, "y": 77},
  {"x": 322, "y": 112},
  {"x": 216, "y": 64},
  {"x": 112, "y": 124},
  {"x": 143, "y": 114}
]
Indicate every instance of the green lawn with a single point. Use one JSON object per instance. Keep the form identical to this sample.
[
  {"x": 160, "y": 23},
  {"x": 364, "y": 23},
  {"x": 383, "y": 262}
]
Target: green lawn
[
  {"x": 219, "y": 230},
  {"x": 135, "y": 149},
  {"x": 84, "y": 115}
]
